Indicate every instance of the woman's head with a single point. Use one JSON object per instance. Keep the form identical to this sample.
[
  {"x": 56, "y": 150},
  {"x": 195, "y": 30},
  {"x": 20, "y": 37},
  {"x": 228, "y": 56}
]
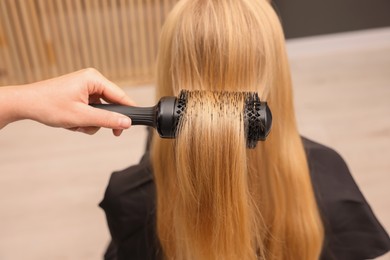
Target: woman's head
[
  {"x": 215, "y": 198},
  {"x": 226, "y": 45},
  {"x": 220, "y": 45}
]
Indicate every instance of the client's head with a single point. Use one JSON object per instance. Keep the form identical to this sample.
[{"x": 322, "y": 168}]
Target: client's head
[{"x": 215, "y": 198}]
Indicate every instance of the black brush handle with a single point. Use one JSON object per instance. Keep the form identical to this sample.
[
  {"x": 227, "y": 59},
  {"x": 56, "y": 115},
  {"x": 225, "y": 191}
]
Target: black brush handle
[{"x": 138, "y": 115}]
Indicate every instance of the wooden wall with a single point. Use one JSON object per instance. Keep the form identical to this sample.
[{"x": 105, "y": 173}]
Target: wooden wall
[{"x": 40, "y": 39}]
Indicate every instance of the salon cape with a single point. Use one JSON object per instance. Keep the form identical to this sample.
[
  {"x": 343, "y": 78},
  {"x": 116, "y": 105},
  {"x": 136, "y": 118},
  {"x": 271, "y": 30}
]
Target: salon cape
[{"x": 352, "y": 231}]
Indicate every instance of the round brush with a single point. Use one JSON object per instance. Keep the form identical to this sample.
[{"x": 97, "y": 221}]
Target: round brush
[{"x": 165, "y": 116}]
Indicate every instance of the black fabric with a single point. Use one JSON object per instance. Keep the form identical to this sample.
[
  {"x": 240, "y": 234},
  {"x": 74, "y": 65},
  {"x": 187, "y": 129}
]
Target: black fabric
[{"x": 351, "y": 229}]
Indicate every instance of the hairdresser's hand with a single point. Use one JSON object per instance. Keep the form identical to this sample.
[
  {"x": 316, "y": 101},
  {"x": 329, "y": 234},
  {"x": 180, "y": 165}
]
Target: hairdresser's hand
[{"x": 63, "y": 102}]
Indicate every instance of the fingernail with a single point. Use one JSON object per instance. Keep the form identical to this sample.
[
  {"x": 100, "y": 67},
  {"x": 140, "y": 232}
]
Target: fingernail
[
  {"x": 118, "y": 132},
  {"x": 124, "y": 122}
]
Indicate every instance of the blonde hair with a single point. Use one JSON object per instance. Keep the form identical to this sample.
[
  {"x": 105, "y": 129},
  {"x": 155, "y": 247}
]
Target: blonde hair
[{"x": 215, "y": 198}]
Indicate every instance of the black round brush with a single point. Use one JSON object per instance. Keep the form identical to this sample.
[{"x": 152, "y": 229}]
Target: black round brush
[{"x": 165, "y": 116}]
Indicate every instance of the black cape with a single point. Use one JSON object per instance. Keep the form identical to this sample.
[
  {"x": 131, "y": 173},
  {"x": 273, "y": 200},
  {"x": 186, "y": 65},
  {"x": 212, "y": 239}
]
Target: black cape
[{"x": 351, "y": 228}]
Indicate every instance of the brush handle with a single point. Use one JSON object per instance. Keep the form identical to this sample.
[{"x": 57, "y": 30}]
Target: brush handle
[{"x": 138, "y": 115}]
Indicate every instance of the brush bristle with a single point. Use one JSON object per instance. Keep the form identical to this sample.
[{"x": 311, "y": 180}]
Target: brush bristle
[
  {"x": 181, "y": 105},
  {"x": 252, "y": 112},
  {"x": 253, "y": 123}
]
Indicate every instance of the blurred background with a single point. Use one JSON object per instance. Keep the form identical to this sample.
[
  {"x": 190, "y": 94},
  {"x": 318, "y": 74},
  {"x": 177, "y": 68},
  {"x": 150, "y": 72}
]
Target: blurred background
[{"x": 51, "y": 180}]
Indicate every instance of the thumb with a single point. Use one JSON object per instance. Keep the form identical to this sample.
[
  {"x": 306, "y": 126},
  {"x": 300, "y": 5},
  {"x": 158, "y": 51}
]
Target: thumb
[{"x": 103, "y": 118}]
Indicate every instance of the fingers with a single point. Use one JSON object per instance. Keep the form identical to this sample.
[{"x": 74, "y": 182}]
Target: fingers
[
  {"x": 89, "y": 86},
  {"x": 117, "y": 132},
  {"x": 91, "y": 130},
  {"x": 98, "y": 88},
  {"x": 98, "y": 84},
  {"x": 102, "y": 118}
]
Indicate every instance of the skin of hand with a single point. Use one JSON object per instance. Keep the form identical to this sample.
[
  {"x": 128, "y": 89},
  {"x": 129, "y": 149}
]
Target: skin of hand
[{"x": 64, "y": 102}]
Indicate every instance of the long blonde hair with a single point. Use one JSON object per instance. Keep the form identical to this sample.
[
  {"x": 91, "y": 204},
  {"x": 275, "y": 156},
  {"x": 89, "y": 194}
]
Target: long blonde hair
[{"x": 215, "y": 198}]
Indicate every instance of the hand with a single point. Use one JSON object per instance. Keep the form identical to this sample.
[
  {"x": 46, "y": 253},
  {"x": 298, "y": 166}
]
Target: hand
[{"x": 63, "y": 102}]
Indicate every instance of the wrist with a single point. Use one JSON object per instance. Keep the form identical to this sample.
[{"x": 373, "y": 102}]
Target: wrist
[
  {"x": 13, "y": 102},
  {"x": 8, "y": 110}
]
